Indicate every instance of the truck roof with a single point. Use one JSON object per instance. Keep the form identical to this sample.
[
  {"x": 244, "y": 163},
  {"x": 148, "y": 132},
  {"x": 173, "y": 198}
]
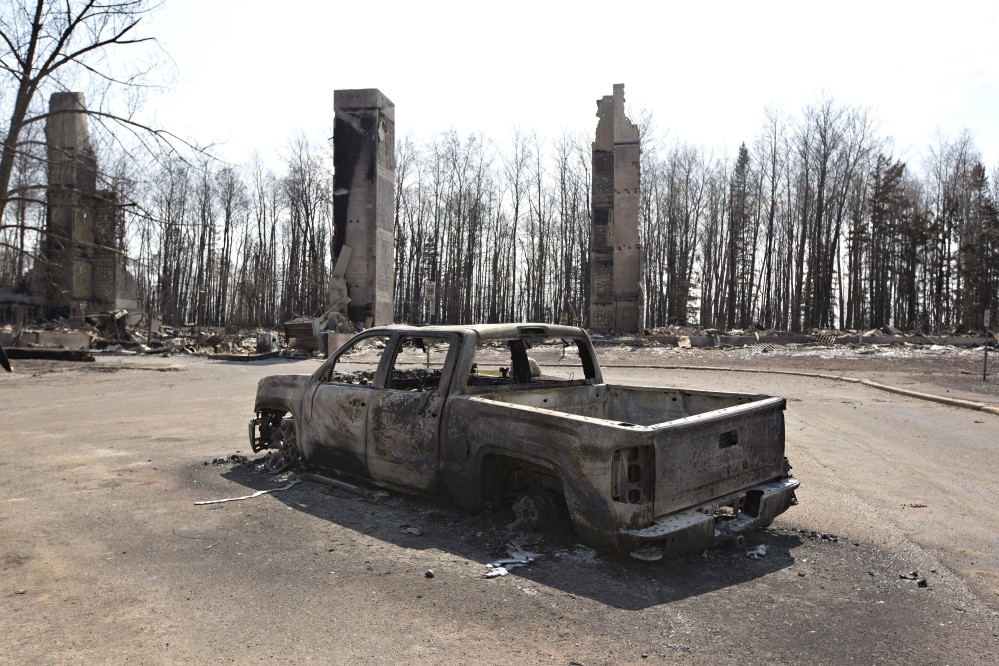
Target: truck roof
[{"x": 495, "y": 331}]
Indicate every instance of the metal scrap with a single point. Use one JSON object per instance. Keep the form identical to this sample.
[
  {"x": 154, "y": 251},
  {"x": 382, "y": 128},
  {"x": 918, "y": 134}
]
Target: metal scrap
[
  {"x": 518, "y": 558},
  {"x": 256, "y": 494},
  {"x": 343, "y": 485},
  {"x": 48, "y": 354}
]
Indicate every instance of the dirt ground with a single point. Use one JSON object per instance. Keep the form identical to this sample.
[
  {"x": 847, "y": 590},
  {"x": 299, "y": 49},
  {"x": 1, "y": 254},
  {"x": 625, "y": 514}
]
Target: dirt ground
[{"x": 891, "y": 556}]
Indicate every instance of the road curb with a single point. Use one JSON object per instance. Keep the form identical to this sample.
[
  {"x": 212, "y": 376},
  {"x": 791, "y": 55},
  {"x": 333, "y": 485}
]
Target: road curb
[{"x": 943, "y": 400}]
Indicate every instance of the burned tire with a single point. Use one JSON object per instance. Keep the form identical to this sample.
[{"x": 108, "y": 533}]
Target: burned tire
[
  {"x": 287, "y": 454},
  {"x": 542, "y": 509},
  {"x": 532, "y": 494},
  {"x": 267, "y": 427},
  {"x": 528, "y": 512}
]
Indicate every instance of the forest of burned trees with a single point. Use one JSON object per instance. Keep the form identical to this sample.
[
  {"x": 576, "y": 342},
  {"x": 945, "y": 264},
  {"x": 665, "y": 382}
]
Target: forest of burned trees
[{"x": 813, "y": 224}]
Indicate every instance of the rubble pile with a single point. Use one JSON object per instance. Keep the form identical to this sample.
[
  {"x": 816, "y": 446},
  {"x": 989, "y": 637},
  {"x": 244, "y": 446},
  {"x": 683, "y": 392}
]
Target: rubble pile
[
  {"x": 361, "y": 377},
  {"x": 696, "y": 336},
  {"x": 123, "y": 332}
]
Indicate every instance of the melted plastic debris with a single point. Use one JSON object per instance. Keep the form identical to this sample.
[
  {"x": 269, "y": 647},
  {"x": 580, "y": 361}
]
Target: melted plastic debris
[
  {"x": 518, "y": 558},
  {"x": 256, "y": 494}
]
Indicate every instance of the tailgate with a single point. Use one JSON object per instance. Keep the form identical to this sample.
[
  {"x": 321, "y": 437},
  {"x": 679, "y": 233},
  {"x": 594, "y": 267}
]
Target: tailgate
[{"x": 702, "y": 457}]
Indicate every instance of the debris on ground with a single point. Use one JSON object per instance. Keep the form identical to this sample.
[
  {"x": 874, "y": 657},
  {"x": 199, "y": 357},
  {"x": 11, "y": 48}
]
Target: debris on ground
[
  {"x": 812, "y": 534},
  {"x": 648, "y": 553},
  {"x": 123, "y": 332},
  {"x": 256, "y": 494},
  {"x": 914, "y": 575},
  {"x": 48, "y": 354},
  {"x": 343, "y": 485},
  {"x": 579, "y": 553},
  {"x": 518, "y": 558},
  {"x": 757, "y": 553},
  {"x": 235, "y": 459}
]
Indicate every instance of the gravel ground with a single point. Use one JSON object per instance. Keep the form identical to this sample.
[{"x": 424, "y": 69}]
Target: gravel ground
[{"x": 105, "y": 557}]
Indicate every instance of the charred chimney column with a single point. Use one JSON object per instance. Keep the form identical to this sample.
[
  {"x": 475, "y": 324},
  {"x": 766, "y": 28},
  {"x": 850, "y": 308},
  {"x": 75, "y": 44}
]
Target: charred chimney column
[
  {"x": 72, "y": 185},
  {"x": 616, "y": 302},
  {"x": 363, "y": 191}
]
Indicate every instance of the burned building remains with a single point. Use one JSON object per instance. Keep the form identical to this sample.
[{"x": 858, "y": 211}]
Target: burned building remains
[
  {"x": 364, "y": 186},
  {"x": 82, "y": 271},
  {"x": 616, "y": 302}
]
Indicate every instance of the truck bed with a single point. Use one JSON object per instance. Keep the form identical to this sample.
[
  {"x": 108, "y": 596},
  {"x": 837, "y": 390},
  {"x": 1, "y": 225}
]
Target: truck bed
[{"x": 679, "y": 448}]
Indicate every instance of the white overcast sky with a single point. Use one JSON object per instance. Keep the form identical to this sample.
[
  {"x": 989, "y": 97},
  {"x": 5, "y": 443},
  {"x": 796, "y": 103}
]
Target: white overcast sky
[{"x": 256, "y": 73}]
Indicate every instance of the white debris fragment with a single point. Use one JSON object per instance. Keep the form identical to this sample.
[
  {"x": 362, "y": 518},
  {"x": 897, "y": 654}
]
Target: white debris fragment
[
  {"x": 649, "y": 553},
  {"x": 495, "y": 573},
  {"x": 757, "y": 553},
  {"x": 256, "y": 494}
]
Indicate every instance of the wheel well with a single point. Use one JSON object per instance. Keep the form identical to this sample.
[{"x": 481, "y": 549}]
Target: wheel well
[
  {"x": 272, "y": 407},
  {"x": 503, "y": 477},
  {"x": 277, "y": 411},
  {"x": 532, "y": 492},
  {"x": 268, "y": 423}
]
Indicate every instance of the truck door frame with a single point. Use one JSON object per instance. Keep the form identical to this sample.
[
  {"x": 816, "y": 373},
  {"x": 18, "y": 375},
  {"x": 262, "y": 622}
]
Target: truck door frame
[
  {"x": 336, "y": 418},
  {"x": 404, "y": 425}
]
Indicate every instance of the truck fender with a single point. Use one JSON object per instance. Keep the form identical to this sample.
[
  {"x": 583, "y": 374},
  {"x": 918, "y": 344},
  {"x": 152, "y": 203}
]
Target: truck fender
[{"x": 496, "y": 468}]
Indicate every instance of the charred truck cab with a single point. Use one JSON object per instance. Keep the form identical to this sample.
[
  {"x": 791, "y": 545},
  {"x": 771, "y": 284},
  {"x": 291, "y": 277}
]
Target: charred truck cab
[{"x": 518, "y": 415}]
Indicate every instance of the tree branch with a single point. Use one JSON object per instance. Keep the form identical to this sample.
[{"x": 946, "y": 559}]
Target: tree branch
[{"x": 52, "y": 64}]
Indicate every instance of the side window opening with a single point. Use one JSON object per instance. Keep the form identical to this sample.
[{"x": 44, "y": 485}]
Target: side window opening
[
  {"x": 418, "y": 363},
  {"x": 358, "y": 363},
  {"x": 530, "y": 360}
]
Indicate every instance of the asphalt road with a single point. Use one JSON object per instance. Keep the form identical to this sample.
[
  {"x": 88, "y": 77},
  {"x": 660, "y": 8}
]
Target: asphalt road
[{"x": 104, "y": 557}]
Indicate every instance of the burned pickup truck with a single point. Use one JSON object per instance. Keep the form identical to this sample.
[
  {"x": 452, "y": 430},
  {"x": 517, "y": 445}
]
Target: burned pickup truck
[{"x": 519, "y": 416}]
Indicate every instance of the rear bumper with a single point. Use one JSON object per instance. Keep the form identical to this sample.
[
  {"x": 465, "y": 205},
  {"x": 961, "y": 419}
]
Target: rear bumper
[{"x": 698, "y": 528}]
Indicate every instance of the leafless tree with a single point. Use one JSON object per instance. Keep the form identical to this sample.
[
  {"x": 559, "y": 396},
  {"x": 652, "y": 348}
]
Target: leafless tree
[{"x": 42, "y": 41}]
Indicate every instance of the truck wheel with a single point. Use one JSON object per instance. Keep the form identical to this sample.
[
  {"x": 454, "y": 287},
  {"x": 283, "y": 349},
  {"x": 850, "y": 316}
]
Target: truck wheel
[
  {"x": 527, "y": 511},
  {"x": 287, "y": 454},
  {"x": 541, "y": 509},
  {"x": 268, "y": 422}
]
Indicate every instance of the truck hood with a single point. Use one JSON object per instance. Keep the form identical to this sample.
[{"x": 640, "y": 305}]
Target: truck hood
[{"x": 281, "y": 392}]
